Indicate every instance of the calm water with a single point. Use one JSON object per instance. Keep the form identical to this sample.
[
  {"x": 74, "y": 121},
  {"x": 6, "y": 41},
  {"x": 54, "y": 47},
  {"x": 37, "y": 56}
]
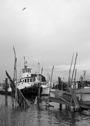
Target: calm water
[{"x": 39, "y": 116}]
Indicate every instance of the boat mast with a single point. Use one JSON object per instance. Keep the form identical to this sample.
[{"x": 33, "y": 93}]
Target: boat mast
[
  {"x": 42, "y": 70},
  {"x": 69, "y": 79},
  {"x": 38, "y": 67},
  {"x": 74, "y": 67},
  {"x": 15, "y": 76},
  {"x": 24, "y": 62},
  {"x": 51, "y": 76},
  {"x": 84, "y": 75}
]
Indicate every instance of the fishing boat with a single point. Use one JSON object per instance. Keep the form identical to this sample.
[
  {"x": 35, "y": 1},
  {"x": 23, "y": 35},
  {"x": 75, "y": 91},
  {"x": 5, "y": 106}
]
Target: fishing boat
[{"x": 30, "y": 83}]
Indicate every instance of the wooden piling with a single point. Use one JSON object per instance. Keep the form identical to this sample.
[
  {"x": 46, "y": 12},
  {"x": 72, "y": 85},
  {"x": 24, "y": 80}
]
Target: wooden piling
[
  {"x": 60, "y": 106},
  {"x": 12, "y": 97},
  {"x": 6, "y": 88},
  {"x": 59, "y": 83},
  {"x": 39, "y": 93},
  {"x": 66, "y": 107}
]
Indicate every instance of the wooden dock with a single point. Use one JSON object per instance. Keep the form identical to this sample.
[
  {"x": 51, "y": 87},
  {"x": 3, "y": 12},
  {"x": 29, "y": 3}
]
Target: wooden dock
[
  {"x": 64, "y": 97},
  {"x": 80, "y": 100}
]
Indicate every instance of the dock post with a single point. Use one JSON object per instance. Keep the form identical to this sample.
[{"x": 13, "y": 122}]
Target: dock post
[
  {"x": 67, "y": 107},
  {"x": 38, "y": 97},
  {"x": 12, "y": 96},
  {"x": 6, "y": 87},
  {"x": 60, "y": 106},
  {"x": 59, "y": 83}
]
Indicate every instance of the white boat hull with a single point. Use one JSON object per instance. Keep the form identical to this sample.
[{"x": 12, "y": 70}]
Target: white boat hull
[{"x": 45, "y": 90}]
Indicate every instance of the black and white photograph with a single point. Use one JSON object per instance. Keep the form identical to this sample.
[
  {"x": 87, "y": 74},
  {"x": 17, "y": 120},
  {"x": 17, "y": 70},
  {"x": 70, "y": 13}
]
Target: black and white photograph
[{"x": 44, "y": 62}]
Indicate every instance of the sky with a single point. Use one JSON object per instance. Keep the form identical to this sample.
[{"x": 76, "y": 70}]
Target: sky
[{"x": 46, "y": 31}]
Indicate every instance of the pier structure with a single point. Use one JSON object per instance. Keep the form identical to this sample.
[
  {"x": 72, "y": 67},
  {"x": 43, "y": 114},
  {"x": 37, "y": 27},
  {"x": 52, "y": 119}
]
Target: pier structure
[
  {"x": 64, "y": 98},
  {"x": 68, "y": 96}
]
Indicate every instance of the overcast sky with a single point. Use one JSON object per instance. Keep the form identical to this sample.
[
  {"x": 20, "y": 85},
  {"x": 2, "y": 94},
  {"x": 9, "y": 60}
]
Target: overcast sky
[{"x": 49, "y": 31}]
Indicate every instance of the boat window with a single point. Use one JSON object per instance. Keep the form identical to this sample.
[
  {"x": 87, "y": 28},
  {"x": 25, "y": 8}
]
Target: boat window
[
  {"x": 28, "y": 80},
  {"x": 31, "y": 80},
  {"x": 25, "y": 80}
]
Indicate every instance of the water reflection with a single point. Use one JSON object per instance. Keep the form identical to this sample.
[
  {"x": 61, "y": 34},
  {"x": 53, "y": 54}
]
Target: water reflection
[{"x": 39, "y": 115}]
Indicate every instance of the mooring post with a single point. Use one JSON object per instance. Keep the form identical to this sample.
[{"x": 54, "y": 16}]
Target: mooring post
[
  {"x": 60, "y": 106},
  {"x": 6, "y": 88},
  {"x": 67, "y": 107},
  {"x": 12, "y": 95},
  {"x": 38, "y": 98}
]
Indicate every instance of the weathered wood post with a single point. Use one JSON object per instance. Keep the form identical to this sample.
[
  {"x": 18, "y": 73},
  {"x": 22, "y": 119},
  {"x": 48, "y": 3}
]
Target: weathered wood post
[
  {"x": 12, "y": 95},
  {"x": 6, "y": 88},
  {"x": 67, "y": 107},
  {"x": 59, "y": 83},
  {"x": 38, "y": 97},
  {"x": 60, "y": 87},
  {"x": 60, "y": 106}
]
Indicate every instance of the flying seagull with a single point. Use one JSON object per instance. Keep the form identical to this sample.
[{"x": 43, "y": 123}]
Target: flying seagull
[{"x": 24, "y": 9}]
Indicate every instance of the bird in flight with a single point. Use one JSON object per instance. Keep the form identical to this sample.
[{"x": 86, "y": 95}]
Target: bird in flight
[{"x": 24, "y": 9}]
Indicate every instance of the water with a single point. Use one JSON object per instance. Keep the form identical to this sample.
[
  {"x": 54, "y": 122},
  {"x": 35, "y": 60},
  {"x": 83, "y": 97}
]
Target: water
[{"x": 39, "y": 116}]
